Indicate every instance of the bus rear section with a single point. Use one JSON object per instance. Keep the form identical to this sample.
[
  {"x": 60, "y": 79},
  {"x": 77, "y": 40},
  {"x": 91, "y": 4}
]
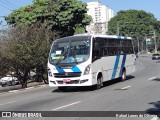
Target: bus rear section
[{"x": 113, "y": 57}]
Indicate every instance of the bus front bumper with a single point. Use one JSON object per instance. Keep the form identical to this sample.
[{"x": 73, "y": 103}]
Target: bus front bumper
[{"x": 76, "y": 81}]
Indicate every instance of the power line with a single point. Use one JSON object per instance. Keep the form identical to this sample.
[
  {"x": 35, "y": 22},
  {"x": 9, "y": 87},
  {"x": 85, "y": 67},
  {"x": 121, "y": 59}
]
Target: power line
[
  {"x": 6, "y": 7},
  {"x": 6, "y": 4},
  {"x": 11, "y": 4}
]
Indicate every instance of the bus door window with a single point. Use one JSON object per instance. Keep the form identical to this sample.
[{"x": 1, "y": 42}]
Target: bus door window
[{"x": 96, "y": 49}]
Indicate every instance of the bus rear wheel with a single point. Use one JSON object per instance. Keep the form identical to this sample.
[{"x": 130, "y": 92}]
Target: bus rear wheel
[{"x": 123, "y": 77}]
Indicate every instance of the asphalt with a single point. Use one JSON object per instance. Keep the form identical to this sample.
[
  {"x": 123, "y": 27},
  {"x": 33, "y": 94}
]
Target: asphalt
[{"x": 140, "y": 92}]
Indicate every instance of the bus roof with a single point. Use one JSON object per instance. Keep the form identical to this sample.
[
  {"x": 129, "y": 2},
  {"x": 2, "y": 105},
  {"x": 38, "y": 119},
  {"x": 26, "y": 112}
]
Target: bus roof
[{"x": 104, "y": 36}]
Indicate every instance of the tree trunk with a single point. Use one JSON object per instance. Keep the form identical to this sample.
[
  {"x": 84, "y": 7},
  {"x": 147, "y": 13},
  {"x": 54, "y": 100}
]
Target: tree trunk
[
  {"x": 24, "y": 84},
  {"x": 24, "y": 77}
]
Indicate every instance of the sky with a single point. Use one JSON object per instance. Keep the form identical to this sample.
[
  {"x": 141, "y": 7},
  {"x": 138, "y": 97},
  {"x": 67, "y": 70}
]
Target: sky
[{"x": 151, "y": 6}]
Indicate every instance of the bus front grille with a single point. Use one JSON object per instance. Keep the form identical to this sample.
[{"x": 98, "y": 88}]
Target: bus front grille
[
  {"x": 71, "y": 82},
  {"x": 67, "y": 74}
]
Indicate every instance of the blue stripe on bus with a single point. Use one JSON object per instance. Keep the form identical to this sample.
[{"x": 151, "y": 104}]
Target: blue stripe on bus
[
  {"x": 122, "y": 66},
  {"x": 76, "y": 69},
  {"x": 115, "y": 66},
  {"x": 60, "y": 70}
]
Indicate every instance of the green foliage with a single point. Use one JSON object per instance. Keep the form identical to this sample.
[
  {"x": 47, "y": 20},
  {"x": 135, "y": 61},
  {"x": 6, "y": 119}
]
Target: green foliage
[
  {"x": 61, "y": 15},
  {"x": 3, "y": 65},
  {"x": 32, "y": 45},
  {"x": 79, "y": 29},
  {"x": 133, "y": 23},
  {"x": 34, "y": 28},
  {"x": 26, "y": 49}
]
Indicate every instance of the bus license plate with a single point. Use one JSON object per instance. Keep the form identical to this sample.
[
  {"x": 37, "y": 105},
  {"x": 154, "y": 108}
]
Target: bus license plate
[{"x": 66, "y": 80}]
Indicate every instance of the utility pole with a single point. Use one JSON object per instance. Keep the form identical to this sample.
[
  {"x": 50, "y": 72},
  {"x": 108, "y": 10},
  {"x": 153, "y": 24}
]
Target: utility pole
[
  {"x": 154, "y": 36},
  {"x": 138, "y": 44},
  {"x": 118, "y": 28},
  {"x": 146, "y": 45}
]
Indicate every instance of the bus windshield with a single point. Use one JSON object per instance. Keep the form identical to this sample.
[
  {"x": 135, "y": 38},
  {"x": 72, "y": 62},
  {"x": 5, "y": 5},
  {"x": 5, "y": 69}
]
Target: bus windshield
[{"x": 70, "y": 50}]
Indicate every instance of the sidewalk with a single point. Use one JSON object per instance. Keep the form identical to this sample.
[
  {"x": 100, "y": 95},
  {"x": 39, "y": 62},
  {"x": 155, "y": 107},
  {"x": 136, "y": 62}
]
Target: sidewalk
[
  {"x": 17, "y": 87},
  {"x": 145, "y": 55}
]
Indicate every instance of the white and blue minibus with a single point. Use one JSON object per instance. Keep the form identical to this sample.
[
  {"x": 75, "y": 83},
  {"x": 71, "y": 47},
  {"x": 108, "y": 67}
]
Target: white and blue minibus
[{"x": 89, "y": 60}]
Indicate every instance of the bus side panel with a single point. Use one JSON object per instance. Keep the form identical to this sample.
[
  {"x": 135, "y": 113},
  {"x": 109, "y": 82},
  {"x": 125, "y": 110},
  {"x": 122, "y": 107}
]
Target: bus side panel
[
  {"x": 97, "y": 67},
  {"x": 112, "y": 66},
  {"x": 130, "y": 64}
]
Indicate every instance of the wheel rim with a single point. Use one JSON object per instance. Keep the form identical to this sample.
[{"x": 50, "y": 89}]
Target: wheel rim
[
  {"x": 99, "y": 83},
  {"x": 124, "y": 75}
]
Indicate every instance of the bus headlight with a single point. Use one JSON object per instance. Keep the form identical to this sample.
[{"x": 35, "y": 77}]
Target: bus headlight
[
  {"x": 87, "y": 70},
  {"x": 49, "y": 72}
]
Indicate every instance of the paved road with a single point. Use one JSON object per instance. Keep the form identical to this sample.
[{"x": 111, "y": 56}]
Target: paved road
[{"x": 141, "y": 92}]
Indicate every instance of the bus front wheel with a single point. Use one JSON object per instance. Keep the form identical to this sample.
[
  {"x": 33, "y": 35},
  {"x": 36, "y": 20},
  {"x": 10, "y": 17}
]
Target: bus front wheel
[{"x": 99, "y": 83}]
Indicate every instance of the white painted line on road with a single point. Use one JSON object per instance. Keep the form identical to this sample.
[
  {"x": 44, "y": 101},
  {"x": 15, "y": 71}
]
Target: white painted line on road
[
  {"x": 151, "y": 78},
  {"x": 42, "y": 85},
  {"x": 66, "y": 105},
  {"x": 8, "y": 103},
  {"x": 125, "y": 87},
  {"x": 140, "y": 63},
  {"x": 13, "y": 91},
  {"x": 155, "y": 118}
]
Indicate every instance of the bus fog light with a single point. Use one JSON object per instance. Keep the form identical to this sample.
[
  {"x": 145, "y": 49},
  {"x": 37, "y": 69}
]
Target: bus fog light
[
  {"x": 53, "y": 82},
  {"x": 83, "y": 81}
]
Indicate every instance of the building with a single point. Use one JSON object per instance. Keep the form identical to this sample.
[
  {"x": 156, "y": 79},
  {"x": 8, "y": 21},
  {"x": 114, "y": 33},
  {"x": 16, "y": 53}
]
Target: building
[{"x": 100, "y": 14}]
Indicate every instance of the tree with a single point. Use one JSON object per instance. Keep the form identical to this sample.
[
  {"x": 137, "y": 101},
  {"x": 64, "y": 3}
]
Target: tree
[
  {"x": 66, "y": 16},
  {"x": 4, "y": 66},
  {"x": 27, "y": 49},
  {"x": 35, "y": 26},
  {"x": 133, "y": 23}
]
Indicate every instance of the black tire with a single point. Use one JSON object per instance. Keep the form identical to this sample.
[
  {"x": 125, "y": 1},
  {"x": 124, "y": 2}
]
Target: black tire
[
  {"x": 3, "y": 85},
  {"x": 9, "y": 83},
  {"x": 13, "y": 83},
  {"x": 123, "y": 77},
  {"x": 18, "y": 83},
  {"x": 62, "y": 88},
  {"x": 99, "y": 83}
]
